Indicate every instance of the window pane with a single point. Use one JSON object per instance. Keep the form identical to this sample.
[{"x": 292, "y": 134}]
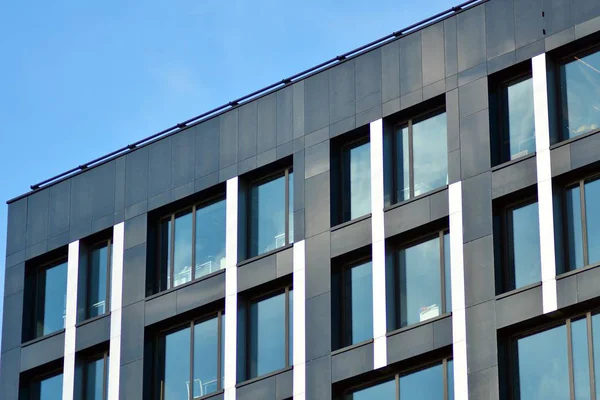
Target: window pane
[
  {"x": 592, "y": 218},
  {"x": 447, "y": 272},
  {"x": 206, "y": 346},
  {"x": 267, "y": 216},
  {"x": 581, "y": 104},
  {"x": 382, "y": 391},
  {"x": 420, "y": 290},
  {"x": 596, "y": 346},
  {"x": 581, "y": 366},
  {"x": 165, "y": 251},
  {"x": 98, "y": 274},
  {"x": 54, "y": 294},
  {"x": 450, "y": 379},
  {"x": 430, "y": 154},
  {"x": 182, "y": 258},
  {"x": 223, "y": 351},
  {"x": 427, "y": 384},
  {"x": 525, "y": 236},
  {"x": 360, "y": 180},
  {"x": 291, "y": 329},
  {"x": 210, "y": 238},
  {"x": 267, "y": 335},
  {"x": 574, "y": 230},
  {"x": 94, "y": 379},
  {"x": 403, "y": 160},
  {"x": 543, "y": 365},
  {"x": 177, "y": 365},
  {"x": 520, "y": 119},
  {"x": 291, "y": 207},
  {"x": 51, "y": 388},
  {"x": 358, "y": 293}
]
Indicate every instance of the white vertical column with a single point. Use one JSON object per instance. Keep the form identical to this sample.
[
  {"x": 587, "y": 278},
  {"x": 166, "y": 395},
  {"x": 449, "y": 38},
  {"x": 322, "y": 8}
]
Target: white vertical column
[
  {"x": 544, "y": 183},
  {"x": 70, "y": 321},
  {"x": 299, "y": 321},
  {"x": 231, "y": 253},
  {"x": 116, "y": 305},
  {"x": 378, "y": 246},
  {"x": 457, "y": 280}
]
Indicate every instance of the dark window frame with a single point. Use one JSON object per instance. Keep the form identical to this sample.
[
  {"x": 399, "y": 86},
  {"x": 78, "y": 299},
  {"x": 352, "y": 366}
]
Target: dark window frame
[
  {"x": 560, "y": 84},
  {"x": 96, "y": 245},
  {"x": 284, "y": 289},
  {"x": 580, "y": 183},
  {"x": 104, "y": 355},
  {"x": 507, "y": 263},
  {"x": 395, "y": 249},
  {"x": 33, "y": 393},
  {"x": 344, "y": 331},
  {"x": 162, "y": 273},
  {"x": 396, "y": 161},
  {"x": 344, "y": 185},
  {"x": 39, "y": 287},
  {"x": 512, "y": 365},
  {"x": 420, "y": 366},
  {"x": 160, "y": 353},
  {"x": 281, "y": 172}
]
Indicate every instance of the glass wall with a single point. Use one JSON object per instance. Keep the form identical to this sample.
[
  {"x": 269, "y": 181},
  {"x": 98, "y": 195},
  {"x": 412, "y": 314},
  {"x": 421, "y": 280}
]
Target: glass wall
[
  {"x": 192, "y": 243},
  {"x": 580, "y": 85},
  {"x": 582, "y": 225},
  {"x": 98, "y": 290},
  {"x": 190, "y": 358},
  {"x": 271, "y": 213},
  {"x": 270, "y": 335},
  {"x": 96, "y": 379},
  {"x": 51, "y": 298},
  {"x": 357, "y": 181},
  {"x": 519, "y": 130},
  {"x": 50, "y": 388},
  {"x": 421, "y": 274},
  {"x": 429, "y": 383},
  {"x": 421, "y": 156}
]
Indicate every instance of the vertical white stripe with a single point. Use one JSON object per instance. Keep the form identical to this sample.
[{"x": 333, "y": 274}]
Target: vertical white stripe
[
  {"x": 457, "y": 279},
  {"x": 378, "y": 246},
  {"x": 116, "y": 304},
  {"x": 70, "y": 321},
  {"x": 299, "y": 322},
  {"x": 231, "y": 250},
  {"x": 544, "y": 183}
]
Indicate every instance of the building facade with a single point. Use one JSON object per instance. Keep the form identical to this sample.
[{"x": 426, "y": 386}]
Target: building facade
[{"x": 418, "y": 220}]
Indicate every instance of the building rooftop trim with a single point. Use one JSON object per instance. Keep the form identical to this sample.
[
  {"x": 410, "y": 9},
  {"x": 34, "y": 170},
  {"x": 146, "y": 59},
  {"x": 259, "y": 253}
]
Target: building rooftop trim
[{"x": 215, "y": 112}]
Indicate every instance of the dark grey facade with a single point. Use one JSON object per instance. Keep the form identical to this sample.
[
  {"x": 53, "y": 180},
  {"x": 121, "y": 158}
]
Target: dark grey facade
[{"x": 450, "y": 63}]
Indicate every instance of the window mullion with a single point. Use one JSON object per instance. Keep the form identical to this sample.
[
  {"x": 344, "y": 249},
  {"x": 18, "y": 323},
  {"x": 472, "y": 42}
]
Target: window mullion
[
  {"x": 570, "y": 360},
  {"x": 445, "y": 377},
  {"x": 442, "y": 273},
  {"x": 172, "y": 251},
  {"x": 104, "y": 388},
  {"x": 411, "y": 173},
  {"x": 193, "y": 266},
  {"x": 219, "y": 349},
  {"x": 287, "y": 326},
  {"x": 591, "y": 356},
  {"x": 586, "y": 260},
  {"x": 397, "y": 387},
  {"x": 287, "y": 206},
  {"x": 108, "y": 277},
  {"x": 191, "y": 387}
]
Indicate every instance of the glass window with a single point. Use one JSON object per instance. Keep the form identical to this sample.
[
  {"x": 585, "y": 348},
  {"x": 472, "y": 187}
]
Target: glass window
[
  {"x": 557, "y": 362},
  {"x": 356, "y": 306},
  {"x": 580, "y": 85},
  {"x": 430, "y": 383},
  {"x": 51, "y": 298},
  {"x": 49, "y": 388},
  {"x": 357, "y": 181},
  {"x": 190, "y": 359},
  {"x": 520, "y": 262},
  {"x": 271, "y": 213},
  {"x": 270, "y": 335},
  {"x": 192, "y": 243},
  {"x": 582, "y": 225},
  {"x": 99, "y": 271},
  {"x": 421, "y": 159},
  {"x": 421, "y": 280},
  {"x": 96, "y": 379},
  {"x": 518, "y": 137}
]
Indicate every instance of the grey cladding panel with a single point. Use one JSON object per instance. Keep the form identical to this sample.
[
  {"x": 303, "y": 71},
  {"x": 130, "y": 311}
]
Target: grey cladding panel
[
  {"x": 136, "y": 177},
  {"x": 341, "y": 92},
  {"x": 356, "y": 361},
  {"x": 351, "y": 237},
  {"x": 410, "y": 343},
  {"x": 529, "y": 23},
  {"x": 42, "y": 352},
  {"x": 475, "y": 144},
  {"x": 317, "y": 204},
  {"x": 285, "y": 115},
  {"x": 81, "y": 196},
  {"x": 103, "y": 190},
  {"x": 228, "y": 139},
  {"x": 479, "y": 270},
  {"x": 159, "y": 167},
  {"x": 558, "y": 15},
  {"x": 248, "y": 128},
  {"x": 261, "y": 389},
  {"x": 316, "y": 102},
  {"x": 183, "y": 158},
  {"x": 207, "y": 147},
  {"x": 500, "y": 27},
  {"x": 411, "y": 69},
  {"x": 37, "y": 217},
  {"x": 390, "y": 76},
  {"x": 471, "y": 38},
  {"x": 481, "y": 336},
  {"x": 318, "y": 326},
  {"x": 318, "y": 265},
  {"x": 368, "y": 81},
  {"x": 433, "y": 54},
  {"x": 451, "y": 46},
  {"x": 477, "y": 198},
  {"x": 514, "y": 177},
  {"x": 267, "y": 123},
  {"x": 58, "y": 208},
  {"x": 519, "y": 307},
  {"x": 584, "y": 10},
  {"x": 132, "y": 348}
]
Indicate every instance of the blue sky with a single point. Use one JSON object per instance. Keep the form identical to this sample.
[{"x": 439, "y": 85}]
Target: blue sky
[{"x": 80, "y": 79}]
